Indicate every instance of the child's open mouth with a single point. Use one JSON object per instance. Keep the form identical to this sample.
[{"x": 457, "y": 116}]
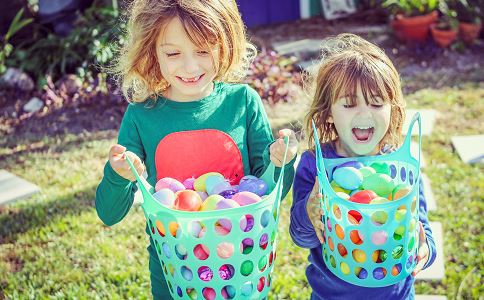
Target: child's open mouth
[
  {"x": 362, "y": 134},
  {"x": 190, "y": 80}
]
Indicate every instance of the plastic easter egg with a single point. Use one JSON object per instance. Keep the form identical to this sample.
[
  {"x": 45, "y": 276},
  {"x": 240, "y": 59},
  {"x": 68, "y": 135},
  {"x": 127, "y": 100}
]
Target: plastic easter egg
[
  {"x": 205, "y": 273},
  {"x": 379, "y": 200},
  {"x": 169, "y": 183},
  {"x": 354, "y": 217},
  {"x": 165, "y": 197},
  {"x": 383, "y": 255},
  {"x": 199, "y": 183},
  {"x": 262, "y": 263},
  {"x": 379, "y": 273},
  {"x": 359, "y": 255},
  {"x": 247, "y": 245},
  {"x": 209, "y": 293},
  {"x": 227, "y": 203},
  {"x": 339, "y": 231},
  {"x": 187, "y": 200},
  {"x": 256, "y": 186},
  {"x": 211, "y": 181},
  {"x": 364, "y": 196},
  {"x": 381, "y": 168},
  {"x": 263, "y": 241},
  {"x": 223, "y": 226},
  {"x": 401, "y": 191},
  {"x": 352, "y": 163},
  {"x": 220, "y": 187},
  {"x": 337, "y": 188},
  {"x": 192, "y": 293},
  {"x": 186, "y": 273},
  {"x": 188, "y": 183},
  {"x": 203, "y": 195},
  {"x": 260, "y": 284},
  {"x": 362, "y": 274},
  {"x": 181, "y": 251},
  {"x": 345, "y": 269},
  {"x": 228, "y": 292},
  {"x": 201, "y": 252},
  {"x": 197, "y": 229},
  {"x": 228, "y": 194},
  {"x": 246, "y": 198},
  {"x": 355, "y": 237},
  {"x": 226, "y": 272},
  {"x": 348, "y": 178},
  {"x": 381, "y": 184},
  {"x": 342, "y": 250},
  {"x": 400, "y": 214},
  {"x": 365, "y": 171},
  {"x": 396, "y": 269},
  {"x": 246, "y": 268},
  {"x": 225, "y": 250},
  {"x": 211, "y": 202},
  {"x": 379, "y": 237},
  {"x": 247, "y": 223},
  {"x": 247, "y": 177},
  {"x": 399, "y": 232},
  {"x": 343, "y": 195},
  {"x": 166, "y": 250},
  {"x": 379, "y": 217},
  {"x": 397, "y": 252},
  {"x": 246, "y": 290}
]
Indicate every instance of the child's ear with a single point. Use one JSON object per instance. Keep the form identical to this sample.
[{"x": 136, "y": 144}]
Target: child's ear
[{"x": 330, "y": 119}]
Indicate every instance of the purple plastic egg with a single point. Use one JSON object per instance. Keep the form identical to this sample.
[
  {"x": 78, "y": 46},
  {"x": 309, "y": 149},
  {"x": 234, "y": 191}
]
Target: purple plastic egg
[
  {"x": 188, "y": 183},
  {"x": 228, "y": 194},
  {"x": 256, "y": 186},
  {"x": 226, "y": 272},
  {"x": 169, "y": 183},
  {"x": 227, "y": 203},
  {"x": 205, "y": 273},
  {"x": 247, "y": 177}
]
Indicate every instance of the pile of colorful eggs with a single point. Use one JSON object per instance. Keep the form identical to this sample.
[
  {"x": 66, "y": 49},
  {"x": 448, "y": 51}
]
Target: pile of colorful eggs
[
  {"x": 211, "y": 191},
  {"x": 372, "y": 184}
]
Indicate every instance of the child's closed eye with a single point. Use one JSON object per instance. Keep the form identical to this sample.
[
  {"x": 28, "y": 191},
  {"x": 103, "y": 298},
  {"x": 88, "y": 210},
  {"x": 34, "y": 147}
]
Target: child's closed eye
[
  {"x": 203, "y": 52},
  {"x": 172, "y": 54},
  {"x": 377, "y": 105},
  {"x": 349, "y": 105}
]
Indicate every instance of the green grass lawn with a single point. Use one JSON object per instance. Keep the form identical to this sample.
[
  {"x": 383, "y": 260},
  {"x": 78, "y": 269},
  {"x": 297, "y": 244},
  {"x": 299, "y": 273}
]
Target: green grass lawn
[{"x": 53, "y": 246}]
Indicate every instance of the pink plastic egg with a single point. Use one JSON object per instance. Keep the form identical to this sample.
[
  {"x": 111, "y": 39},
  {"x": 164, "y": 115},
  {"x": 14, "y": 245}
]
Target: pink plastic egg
[
  {"x": 379, "y": 237},
  {"x": 201, "y": 252},
  {"x": 169, "y": 183},
  {"x": 205, "y": 273},
  {"x": 246, "y": 198}
]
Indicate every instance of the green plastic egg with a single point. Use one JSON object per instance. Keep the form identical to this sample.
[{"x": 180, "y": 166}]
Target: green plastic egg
[
  {"x": 381, "y": 167},
  {"x": 381, "y": 184}
]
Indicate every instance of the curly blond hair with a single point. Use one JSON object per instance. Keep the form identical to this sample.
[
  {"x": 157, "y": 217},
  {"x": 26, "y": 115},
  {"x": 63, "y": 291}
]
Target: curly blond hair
[
  {"x": 215, "y": 22},
  {"x": 348, "y": 62}
]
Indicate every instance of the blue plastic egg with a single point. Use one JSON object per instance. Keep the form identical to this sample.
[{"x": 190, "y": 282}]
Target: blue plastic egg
[
  {"x": 256, "y": 186},
  {"x": 348, "y": 178}
]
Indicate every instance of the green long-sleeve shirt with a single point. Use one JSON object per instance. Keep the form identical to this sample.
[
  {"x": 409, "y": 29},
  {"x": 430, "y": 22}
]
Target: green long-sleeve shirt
[{"x": 234, "y": 109}]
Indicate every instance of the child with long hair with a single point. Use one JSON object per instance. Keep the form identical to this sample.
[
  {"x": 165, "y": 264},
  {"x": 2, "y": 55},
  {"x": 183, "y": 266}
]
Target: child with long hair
[
  {"x": 359, "y": 110},
  {"x": 186, "y": 116}
]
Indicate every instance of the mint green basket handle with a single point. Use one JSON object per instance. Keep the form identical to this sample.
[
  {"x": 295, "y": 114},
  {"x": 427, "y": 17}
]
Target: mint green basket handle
[
  {"x": 268, "y": 176},
  {"x": 320, "y": 166}
]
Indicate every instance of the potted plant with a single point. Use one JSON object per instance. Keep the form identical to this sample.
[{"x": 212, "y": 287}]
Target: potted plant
[
  {"x": 445, "y": 31},
  {"x": 412, "y": 18},
  {"x": 468, "y": 14}
]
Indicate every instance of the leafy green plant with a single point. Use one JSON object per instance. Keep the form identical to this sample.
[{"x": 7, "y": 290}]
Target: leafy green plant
[
  {"x": 410, "y": 7},
  {"x": 5, "y": 47},
  {"x": 88, "y": 46},
  {"x": 469, "y": 11}
]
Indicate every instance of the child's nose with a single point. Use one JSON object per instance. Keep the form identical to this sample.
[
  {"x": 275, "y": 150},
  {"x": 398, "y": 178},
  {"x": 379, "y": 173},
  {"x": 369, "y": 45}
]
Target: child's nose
[{"x": 190, "y": 64}]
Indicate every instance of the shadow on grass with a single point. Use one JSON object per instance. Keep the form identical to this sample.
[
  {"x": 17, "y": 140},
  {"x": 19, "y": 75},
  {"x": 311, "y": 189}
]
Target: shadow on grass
[
  {"x": 13, "y": 147},
  {"x": 17, "y": 220}
]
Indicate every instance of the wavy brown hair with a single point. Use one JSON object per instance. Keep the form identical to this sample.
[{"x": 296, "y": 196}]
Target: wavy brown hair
[
  {"x": 206, "y": 22},
  {"x": 348, "y": 62}
]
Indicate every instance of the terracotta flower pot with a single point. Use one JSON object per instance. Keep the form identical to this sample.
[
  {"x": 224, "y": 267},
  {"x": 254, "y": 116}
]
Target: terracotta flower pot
[
  {"x": 469, "y": 31},
  {"x": 443, "y": 38},
  {"x": 413, "y": 28}
]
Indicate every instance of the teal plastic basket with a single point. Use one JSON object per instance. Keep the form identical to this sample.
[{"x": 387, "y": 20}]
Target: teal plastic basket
[
  {"x": 202, "y": 259},
  {"x": 355, "y": 251}
]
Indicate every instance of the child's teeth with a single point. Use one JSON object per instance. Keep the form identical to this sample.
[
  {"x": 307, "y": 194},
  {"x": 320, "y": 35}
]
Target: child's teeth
[
  {"x": 191, "y": 79},
  {"x": 363, "y": 127}
]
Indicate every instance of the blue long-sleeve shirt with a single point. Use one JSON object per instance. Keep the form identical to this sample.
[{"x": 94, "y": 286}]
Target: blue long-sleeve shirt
[{"x": 324, "y": 283}]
